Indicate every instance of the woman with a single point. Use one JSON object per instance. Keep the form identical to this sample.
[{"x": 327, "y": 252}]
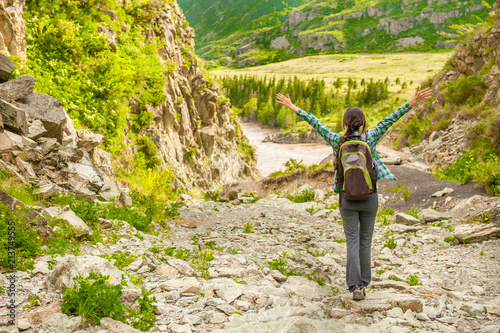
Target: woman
[{"x": 358, "y": 216}]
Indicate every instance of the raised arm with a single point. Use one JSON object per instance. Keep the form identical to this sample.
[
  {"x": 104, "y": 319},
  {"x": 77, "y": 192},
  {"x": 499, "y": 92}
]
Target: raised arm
[
  {"x": 330, "y": 136},
  {"x": 385, "y": 123}
]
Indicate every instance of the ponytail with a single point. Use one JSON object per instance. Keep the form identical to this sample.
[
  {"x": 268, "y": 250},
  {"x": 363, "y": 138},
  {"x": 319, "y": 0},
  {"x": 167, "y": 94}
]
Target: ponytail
[{"x": 354, "y": 120}]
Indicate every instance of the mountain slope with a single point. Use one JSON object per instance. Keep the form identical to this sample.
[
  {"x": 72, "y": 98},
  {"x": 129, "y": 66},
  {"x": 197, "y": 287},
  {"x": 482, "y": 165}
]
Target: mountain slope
[
  {"x": 220, "y": 24},
  {"x": 456, "y": 132},
  {"x": 319, "y": 26}
]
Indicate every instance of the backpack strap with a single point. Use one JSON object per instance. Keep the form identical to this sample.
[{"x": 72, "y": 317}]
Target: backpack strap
[{"x": 360, "y": 137}]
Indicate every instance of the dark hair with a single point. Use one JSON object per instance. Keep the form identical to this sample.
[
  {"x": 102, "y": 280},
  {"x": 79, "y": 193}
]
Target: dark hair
[{"x": 354, "y": 120}]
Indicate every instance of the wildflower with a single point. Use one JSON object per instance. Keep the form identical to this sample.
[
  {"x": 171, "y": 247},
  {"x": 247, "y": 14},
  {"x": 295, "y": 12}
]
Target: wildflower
[
  {"x": 37, "y": 237},
  {"x": 60, "y": 195},
  {"x": 109, "y": 279},
  {"x": 110, "y": 256},
  {"x": 116, "y": 206},
  {"x": 486, "y": 219}
]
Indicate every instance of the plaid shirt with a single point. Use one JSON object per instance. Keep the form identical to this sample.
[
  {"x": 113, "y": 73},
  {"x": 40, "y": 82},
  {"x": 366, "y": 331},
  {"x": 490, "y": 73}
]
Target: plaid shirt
[{"x": 372, "y": 137}]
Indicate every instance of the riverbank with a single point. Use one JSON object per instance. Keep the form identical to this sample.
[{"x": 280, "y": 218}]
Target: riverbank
[{"x": 271, "y": 156}]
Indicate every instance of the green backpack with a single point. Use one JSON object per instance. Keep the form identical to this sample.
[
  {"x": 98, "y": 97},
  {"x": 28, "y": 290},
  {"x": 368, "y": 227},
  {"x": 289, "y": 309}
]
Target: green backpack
[{"x": 356, "y": 174}]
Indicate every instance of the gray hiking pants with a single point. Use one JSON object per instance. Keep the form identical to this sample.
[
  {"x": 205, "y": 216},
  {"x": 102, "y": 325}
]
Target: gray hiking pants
[{"x": 359, "y": 220}]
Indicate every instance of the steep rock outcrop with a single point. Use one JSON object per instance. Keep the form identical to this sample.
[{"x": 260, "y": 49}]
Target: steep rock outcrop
[{"x": 193, "y": 130}]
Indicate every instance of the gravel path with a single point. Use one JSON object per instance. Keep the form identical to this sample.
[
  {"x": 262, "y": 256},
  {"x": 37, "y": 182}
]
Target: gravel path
[{"x": 286, "y": 273}]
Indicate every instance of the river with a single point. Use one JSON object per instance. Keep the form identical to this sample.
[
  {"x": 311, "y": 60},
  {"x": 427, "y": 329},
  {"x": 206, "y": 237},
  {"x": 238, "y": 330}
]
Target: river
[{"x": 271, "y": 156}]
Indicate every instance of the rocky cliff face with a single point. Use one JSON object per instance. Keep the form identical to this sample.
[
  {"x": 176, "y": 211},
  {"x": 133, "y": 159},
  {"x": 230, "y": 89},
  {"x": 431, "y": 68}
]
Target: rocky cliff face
[
  {"x": 195, "y": 116},
  {"x": 383, "y": 27},
  {"x": 192, "y": 130}
]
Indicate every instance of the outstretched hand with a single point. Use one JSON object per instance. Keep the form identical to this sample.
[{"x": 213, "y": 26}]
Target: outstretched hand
[
  {"x": 420, "y": 95},
  {"x": 286, "y": 101}
]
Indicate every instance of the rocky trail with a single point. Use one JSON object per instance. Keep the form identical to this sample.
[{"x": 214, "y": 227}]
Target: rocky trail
[{"x": 272, "y": 265}]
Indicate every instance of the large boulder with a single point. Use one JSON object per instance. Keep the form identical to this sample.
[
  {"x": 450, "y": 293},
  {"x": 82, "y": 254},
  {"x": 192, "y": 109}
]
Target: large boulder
[
  {"x": 20, "y": 87},
  {"x": 13, "y": 118},
  {"x": 88, "y": 140},
  {"x": 68, "y": 216},
  {"x": 406, "y": 219},
  {"x": 475, "y": 233},
  {"x": 70, "y": 266},
  {"x": 52, "y": 114},
  {"x": 7, "y": 66}
]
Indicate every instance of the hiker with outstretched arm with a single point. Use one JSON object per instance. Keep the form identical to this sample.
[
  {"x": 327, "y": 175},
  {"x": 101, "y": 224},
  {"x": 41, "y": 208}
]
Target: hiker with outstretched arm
[{"x": 358, "y": 169}]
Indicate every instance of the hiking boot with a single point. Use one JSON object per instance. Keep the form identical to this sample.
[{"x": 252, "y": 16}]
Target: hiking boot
[{"x": 358, "y": 294}]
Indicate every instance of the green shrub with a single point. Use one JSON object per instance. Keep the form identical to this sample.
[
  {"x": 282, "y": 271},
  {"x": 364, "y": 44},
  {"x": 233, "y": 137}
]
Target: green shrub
[
  {"x": 25, "y": 241},
  {"x": 466, "y": 90},
  {"x": 412, "y": 280},
  {"x": 450, "y": 239},
  {"x": 246, "y": 149},
  {"x": 91, "y": 211},
  {"x": 387, "y": 211},
  {"x": 64, "y": 240},
  {"x": 248, "y": 228},
  {"x": 293, "y": 165},
  {"x": 415, "y": 128},
  {"x": 107, "y": 90},
  {"x": 302, "y": 196},
  {"x": 282, "y": 265},
  {"x": 480, "y": 163},
  {"x": 93, "y": 299},
  {"x": 391, "y": 243}
]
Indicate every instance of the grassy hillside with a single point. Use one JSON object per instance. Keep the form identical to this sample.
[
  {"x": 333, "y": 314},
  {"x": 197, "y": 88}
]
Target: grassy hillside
[{"x": 240, "y": 37}]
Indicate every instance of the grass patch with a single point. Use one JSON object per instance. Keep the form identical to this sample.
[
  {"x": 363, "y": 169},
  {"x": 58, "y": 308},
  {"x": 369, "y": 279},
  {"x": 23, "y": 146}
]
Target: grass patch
[
  {"x": 403, "y": 191},
  {"x": 412, "y": 280},
  {"x": 301, "y": 197},
  {"x": 282, "y": 265},
  {"x": 391, "y": 243},
  {"x": 94, "y": 298},
  {"x": 248, "y": 228},
  {"x": 17, "y": 189},
  {"x": 414, "y": 212},
  {"x": 26, "y": 242}
]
